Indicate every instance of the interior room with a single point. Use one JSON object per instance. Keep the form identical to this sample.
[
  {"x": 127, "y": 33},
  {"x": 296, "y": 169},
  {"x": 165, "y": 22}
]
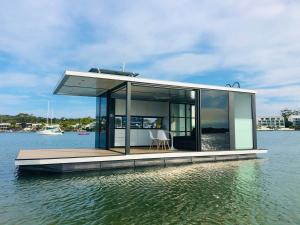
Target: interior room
[{"x": 162, "y": 119}]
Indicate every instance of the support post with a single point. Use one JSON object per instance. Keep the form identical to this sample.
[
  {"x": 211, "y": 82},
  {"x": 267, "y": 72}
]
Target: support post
[
  {"x": 231, "y": 120},
  {"x": 108, "y": 121},
  {"x": 253, "y": 106},
  {"x": 97, "y": 131},
  {"x": 198, "y": 119},
  {"x": 128, "y": 117}
]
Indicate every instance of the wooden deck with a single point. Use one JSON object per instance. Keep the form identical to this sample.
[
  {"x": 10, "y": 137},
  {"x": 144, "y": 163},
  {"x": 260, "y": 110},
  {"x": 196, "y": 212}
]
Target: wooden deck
[{"x": 80, "y": 153}]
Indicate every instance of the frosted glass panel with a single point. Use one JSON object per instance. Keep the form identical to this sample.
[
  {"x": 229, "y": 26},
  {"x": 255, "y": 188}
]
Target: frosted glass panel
[{"x": 243, "y": 121}]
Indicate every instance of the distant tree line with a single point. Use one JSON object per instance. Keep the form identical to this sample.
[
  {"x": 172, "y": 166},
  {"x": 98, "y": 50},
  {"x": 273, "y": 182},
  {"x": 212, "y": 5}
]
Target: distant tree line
[{"x": 65, "y": 123}]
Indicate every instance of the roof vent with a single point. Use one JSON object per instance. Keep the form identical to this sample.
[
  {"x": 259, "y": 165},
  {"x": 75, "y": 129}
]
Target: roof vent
[{"x": 113, "y": 72}]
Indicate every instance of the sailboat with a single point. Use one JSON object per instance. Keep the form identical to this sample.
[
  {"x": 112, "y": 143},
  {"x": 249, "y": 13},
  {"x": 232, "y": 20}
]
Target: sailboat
[{"x": 52, "y": 129}]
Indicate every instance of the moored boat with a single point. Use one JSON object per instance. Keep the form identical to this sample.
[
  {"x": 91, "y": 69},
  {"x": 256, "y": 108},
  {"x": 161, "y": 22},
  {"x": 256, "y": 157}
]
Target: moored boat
[
  {"x": 51, "y": 130},
  {"x": 83, "y": 132}
]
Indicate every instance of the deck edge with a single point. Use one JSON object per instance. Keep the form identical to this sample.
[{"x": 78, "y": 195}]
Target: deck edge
[{"x": 25, "y": 162}]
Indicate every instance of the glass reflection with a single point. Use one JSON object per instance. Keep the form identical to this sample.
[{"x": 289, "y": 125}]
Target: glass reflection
[
  {"x": 214, "y": 120},
  {"x": 102, "y": 121}
]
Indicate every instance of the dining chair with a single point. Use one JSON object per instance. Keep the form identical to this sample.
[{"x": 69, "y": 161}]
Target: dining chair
[
  {"x": 163, "y": 139},
  {"x": 154, "y": 140}
]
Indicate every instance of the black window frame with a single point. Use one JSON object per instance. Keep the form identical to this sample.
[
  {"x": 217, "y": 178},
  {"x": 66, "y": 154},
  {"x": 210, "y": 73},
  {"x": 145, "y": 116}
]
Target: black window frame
[{"x": 185, "y": 117}]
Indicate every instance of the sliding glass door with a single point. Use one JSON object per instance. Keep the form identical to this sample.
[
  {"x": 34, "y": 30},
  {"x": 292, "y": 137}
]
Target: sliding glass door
[
  {"x": 182, "y": 125},
  {"x": 220, "y": 127},
  {"x": 214, "y": 120},
  {"x": 182, "y": 119}
]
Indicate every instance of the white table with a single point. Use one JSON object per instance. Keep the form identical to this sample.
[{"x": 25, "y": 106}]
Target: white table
[{"x": 172, "y": 138}]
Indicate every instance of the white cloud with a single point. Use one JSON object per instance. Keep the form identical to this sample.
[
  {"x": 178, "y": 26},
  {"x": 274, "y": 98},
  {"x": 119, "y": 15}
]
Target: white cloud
[
  {"x": 259, "y": 38},
  {"x": 285, "y": 92},
  {"x": 272, "y": 100},
  {"x": 25, "y": 80},
  {"x": 186, "y": 64},
  {"x": 8, "y": 99}
]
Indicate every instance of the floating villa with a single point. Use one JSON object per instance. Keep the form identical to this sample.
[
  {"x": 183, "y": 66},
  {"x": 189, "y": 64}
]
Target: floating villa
[{"x": 145, "y": 122}]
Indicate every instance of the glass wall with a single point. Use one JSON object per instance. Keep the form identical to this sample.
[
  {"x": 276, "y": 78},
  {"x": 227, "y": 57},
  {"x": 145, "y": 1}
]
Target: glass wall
[
  {"x": 101, "y": 131},
  {"x": 214, "y": 120},
  {"x": 182, "y": 119},
  {"x": 243, "y": 121}
]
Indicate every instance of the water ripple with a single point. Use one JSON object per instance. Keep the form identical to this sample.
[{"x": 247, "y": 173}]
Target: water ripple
[{"x": 261, "y": 191}]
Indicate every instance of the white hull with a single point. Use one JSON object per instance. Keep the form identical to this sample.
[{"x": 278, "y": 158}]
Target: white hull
[
  {"x": 47, "y": 132},
  {"x": 51, "y": 130}
]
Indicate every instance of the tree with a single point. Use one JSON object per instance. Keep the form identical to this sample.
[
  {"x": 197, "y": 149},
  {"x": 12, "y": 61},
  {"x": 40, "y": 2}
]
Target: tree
[
  {"x": 66, "y": 123},
  {"x": 286, "y": 113}
]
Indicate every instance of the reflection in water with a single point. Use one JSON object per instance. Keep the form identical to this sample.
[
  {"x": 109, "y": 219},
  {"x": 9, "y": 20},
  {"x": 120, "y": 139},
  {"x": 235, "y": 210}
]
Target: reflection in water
[
  {"x": 207, "y": 193},
  {"x": 261, "y": 191}
]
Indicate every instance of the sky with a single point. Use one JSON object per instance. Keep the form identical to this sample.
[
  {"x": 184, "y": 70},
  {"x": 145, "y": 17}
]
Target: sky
[{"x": 254, "y": 42}]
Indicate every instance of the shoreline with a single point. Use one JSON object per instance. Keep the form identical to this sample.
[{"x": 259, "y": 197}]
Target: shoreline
[{"x": 277, "y": 130}]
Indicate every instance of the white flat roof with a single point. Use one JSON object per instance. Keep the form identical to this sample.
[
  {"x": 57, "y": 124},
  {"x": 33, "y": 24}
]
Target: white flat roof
[{"x": 94, "y": 84}]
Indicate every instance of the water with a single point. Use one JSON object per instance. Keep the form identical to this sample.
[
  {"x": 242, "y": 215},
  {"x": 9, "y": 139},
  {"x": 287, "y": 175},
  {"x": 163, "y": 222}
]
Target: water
[{"x": 261, "y": 191}]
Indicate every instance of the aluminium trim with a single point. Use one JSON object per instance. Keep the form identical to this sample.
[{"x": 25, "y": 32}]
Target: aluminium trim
[
  {"x": 160, "y": 83},
  {"x": 60, "y": 83}
]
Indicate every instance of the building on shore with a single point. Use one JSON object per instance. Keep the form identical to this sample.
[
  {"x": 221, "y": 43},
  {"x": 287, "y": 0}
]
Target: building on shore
[
  {"x": 29, "y": 126},
  {"x": 90, "y": 126},
  {"x": 295, "y": 119},
  {"x": 270, "y": 122},
  {"x": 5, "y": 126}
]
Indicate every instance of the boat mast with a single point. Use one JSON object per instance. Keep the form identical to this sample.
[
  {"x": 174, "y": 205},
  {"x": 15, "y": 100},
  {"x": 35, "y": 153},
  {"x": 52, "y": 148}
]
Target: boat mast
[
  {"x": 123, "y": 67},
  {"x": 51, "y": 116},
  {"x": 48, "y": 112}
]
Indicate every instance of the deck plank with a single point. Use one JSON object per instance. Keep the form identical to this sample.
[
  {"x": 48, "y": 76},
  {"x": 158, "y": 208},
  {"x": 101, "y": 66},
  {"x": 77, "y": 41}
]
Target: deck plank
[
  {"x": 63, "y": 153},
  {"x": 79, "y": 153}
]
